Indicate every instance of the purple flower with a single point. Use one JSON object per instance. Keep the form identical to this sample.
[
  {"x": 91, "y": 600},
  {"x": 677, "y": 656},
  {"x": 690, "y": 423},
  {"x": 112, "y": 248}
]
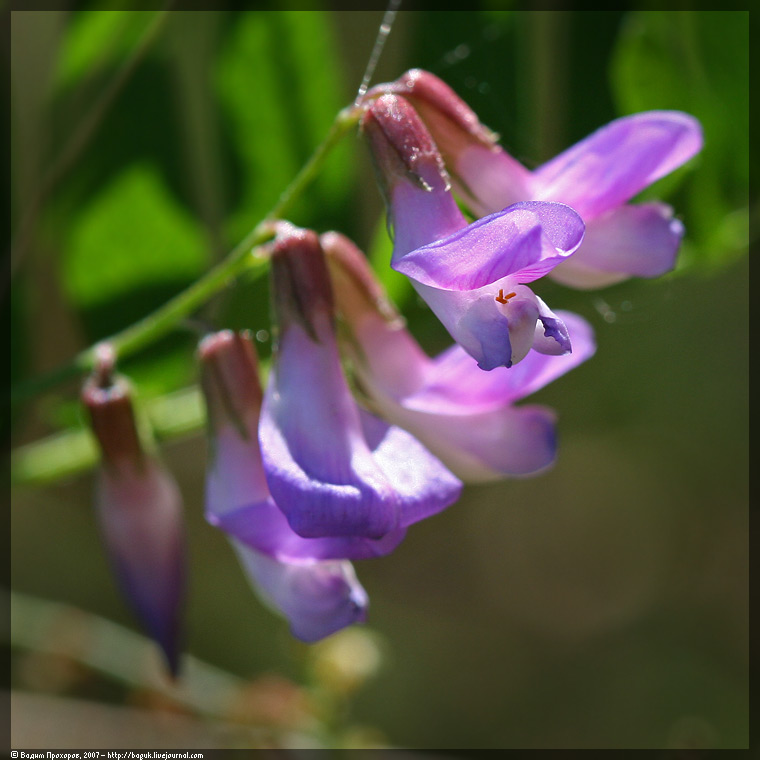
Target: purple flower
[
  {"x": 333, "y": 470},
  {"x": 464, "y": 416},
  {"x": 317, "y": 596},
  {"x": 473, "y": 276},
  {"x": 139, "y": 510},
  {"x": 597, "y": 177}
]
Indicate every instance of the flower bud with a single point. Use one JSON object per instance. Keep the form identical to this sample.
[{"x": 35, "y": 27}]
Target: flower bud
[
  {"x": 298, "y": 577},
  {"x": 333, "y": 469},
  {"x": 139, "y": 510},
  {"x": 469, "y": 149},
  {"x": 411, "y": 174}
]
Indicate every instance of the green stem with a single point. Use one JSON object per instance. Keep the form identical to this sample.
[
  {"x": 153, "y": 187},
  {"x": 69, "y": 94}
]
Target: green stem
[
  {"x": 344, "y": 122},
  {"x": 161, "y": 321}
]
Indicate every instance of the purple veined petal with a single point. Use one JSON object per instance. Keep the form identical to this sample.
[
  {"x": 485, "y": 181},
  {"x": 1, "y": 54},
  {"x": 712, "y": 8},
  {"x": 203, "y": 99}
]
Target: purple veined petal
[
  {"x": 473, "y": 321},
  {"x": 619, "y": 160},
  {"x": 396, "y": 360},
  {"x": 526, "y": 241},
  {"x": 235, "y": 474},
  {"x": 640, "y": 240},
  {"x": 424, "y": 486},
  {"x": 317, "y": 598},
  {"x": 324, "y": 472},
  {"x": 421, "y": 216},
  {"x": 318, "y": 466},
  {"x": 264, "y": 527},
  {"x": 466, "y": 417},
  {"x": 495, "y": 324}
]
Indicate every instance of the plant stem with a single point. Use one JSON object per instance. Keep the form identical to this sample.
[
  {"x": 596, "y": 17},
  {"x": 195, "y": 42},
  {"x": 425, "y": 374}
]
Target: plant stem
[
  {"x": 344, "y": 122},
  {"x": 166, "y": 317},
  {"x": 161, "y": 321}
]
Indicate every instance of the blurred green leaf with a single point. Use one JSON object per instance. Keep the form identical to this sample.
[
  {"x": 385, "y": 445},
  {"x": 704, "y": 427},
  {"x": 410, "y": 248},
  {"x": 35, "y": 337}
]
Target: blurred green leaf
[
  {"x": 698, "y": 62},
  {"x": 129, "y": 250},
  {"x": 95, "y": 39},
  {"x": 278, "y": 81},
  {"x": 134, "y": 234}
]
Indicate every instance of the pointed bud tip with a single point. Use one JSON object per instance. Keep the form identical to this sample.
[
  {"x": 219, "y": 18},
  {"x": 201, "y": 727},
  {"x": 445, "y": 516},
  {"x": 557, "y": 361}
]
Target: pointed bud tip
[
  {"x": 230, "y": 380},
  {"x": 401, "y": 145},
  {"x": 108, "y": 400},
  {"x": 435, "y": 99},
  {"x": 300, "y": 280}
]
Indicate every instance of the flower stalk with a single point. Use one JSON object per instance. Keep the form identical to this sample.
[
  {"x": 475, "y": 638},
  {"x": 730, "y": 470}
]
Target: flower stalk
[{"x": 245, "y": 256}]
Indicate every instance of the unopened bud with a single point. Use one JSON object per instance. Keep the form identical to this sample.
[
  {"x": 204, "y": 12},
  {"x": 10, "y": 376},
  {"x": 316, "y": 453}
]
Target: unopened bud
[
  {"x": 411, "y": 174},
  {"x": 139, "y": 510},
  {"x": 452, "y": 123},
  {"x": 401, "y": 146},
  {"x": 301, "y": 291},
  {"x": 230, "y": 381}
]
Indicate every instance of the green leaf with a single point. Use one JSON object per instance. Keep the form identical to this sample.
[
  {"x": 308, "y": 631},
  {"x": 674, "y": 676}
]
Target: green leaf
[
  {"x": 696, "y": 62},
  {"x": 279, "y": 86},
  {"x": 133, "y": 235},
  {"x": 95, "y": 39}
]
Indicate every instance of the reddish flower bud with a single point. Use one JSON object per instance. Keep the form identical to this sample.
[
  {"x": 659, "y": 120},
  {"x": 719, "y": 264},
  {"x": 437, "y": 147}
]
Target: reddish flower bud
[{"x": 139, "y": 510}]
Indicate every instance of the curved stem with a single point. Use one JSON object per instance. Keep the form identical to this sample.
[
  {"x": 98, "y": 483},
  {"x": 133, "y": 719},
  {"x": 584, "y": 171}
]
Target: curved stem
[
  {"x": 161, "y": 321},
  {"x": 344, "y": 122}
]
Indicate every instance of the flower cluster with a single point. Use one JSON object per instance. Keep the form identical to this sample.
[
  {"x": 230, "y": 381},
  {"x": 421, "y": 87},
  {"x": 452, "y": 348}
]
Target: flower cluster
[{"x": 359, "y": 434}]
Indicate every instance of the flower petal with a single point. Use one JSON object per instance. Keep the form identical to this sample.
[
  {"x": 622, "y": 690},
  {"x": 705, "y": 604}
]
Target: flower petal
[
  {"x": 140, "y": 516},
  {"x": 423, "y": 485},
  {"x": 526, "y": 240},
  {"x": 489, "y": 179},
  {"x": 483, "y": 446},
  {"x": 456, "y": 385},
  {"x": 465, "y": 416},
  {"x": 323, "y": 471},
  {"x": 317, "y": 598},
  {"x": 264, "y": 527},
  {"x": 640, "y": 240},
  {"x": 473, "y": 321},
  {"x": 619, "y": 160},
  {"x": 551, "y": 335},
  {"x": 238, "y": 502}
]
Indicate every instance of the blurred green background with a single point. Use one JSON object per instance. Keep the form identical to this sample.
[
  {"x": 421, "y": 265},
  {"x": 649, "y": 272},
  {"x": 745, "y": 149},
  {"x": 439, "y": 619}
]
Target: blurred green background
[{"x": 601, "y": 605}]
